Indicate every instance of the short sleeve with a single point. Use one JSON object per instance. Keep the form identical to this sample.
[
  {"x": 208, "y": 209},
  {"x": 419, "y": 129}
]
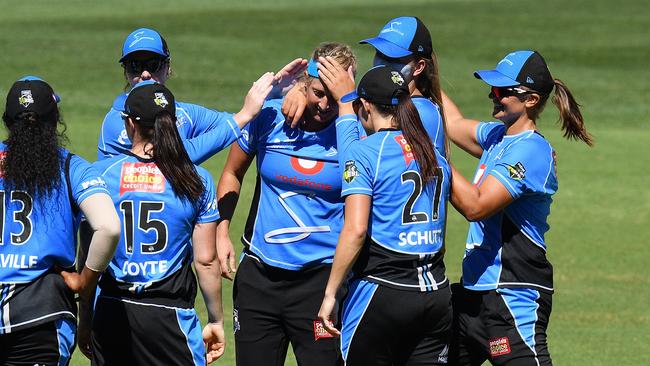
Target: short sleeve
[
  {"x": 526, "y": 167},
  {"x": 358, "y": 172},
  {"x": 84, "y": 180},
  {"x": 489, "y": 133},
  {"x": 209, "y": 211},
  {"x": 260, "y": 127}
]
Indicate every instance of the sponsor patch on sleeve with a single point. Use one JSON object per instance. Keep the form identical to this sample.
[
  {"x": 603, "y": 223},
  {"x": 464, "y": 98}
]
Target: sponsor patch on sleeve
[
  {"x": 350, "y": 171},
  {"x": 319, "y": 331},
  {"x": 499, "y": 346},
  {"x": 97, "y": 182},
  {"x": 141, "y": 177},
  {"x": 406, "y": 149},
  {"x": 517, "y": 171}
]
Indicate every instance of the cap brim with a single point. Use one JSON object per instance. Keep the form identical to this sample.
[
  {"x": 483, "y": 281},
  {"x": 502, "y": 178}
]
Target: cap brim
[
  {"x": 350, "y": 97},
  {"x": 147, "y": 49},
  {"x": 495, "y": 78},
  {"x": 389, "y": 49}
]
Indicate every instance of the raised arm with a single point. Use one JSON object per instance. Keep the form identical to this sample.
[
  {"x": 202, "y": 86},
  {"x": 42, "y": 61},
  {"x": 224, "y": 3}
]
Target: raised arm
[
  {"x": 228, "y": 194},
  {"x": 460, "y": 130},
  {"x": 207, "y": 271}
]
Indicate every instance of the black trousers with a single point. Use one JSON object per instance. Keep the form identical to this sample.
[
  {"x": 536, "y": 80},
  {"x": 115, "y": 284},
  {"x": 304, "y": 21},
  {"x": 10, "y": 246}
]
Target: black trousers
[{"x": 274, "y": 307}]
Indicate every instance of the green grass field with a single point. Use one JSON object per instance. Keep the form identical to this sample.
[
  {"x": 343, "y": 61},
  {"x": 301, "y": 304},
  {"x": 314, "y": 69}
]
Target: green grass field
[{"x": 599, "y": 234}]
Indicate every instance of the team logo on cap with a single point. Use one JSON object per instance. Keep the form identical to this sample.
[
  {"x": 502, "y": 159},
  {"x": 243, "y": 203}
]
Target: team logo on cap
[
  {"x": 160, "y": 100},
  {"x": 139, "y": 37},
  {"x": 391, "y": 28},
  {"x": 396, "y": 78},
  {"x": 25, "y": 98}
]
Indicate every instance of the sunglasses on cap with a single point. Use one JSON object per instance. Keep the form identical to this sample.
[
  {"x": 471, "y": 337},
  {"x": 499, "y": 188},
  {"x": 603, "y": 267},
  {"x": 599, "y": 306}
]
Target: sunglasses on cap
[
  {"x": 504, "y": 92},
  {"x": 153, "y": 65}
]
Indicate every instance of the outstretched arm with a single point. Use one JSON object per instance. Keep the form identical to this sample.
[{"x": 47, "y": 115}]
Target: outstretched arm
[{"x": 460, "y": 130}]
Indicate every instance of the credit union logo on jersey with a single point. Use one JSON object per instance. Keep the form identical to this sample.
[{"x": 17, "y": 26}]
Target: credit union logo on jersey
[{"x": 141, "y": 177}]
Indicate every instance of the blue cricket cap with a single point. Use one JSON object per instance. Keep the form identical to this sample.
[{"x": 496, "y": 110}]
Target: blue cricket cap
[
  {"x": 380, "y": 85},
  {"x": 312, "y": 68},
  {"x": 401, "y": 37},
  {"x": 144, "y": 39},
  {"x": 525, "y": 68}
]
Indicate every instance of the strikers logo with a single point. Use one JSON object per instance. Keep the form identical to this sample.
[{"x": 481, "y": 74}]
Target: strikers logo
[
  {"x": 396, "y": 78},
  {"x": 26, "y": 98},
  {"x": 499, "y": 346},
  {"x": 406, "y": 149},
  {"x": 517, "y": 172},
  {"x": 160, "y": 100},
  {"x": 141, "y": 177},
  {"x": 350, "y": 172}
]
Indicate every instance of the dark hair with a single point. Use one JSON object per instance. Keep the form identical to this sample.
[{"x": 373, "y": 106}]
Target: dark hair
[
  {"x": 172, "y": 159},
  {"x": 428, "y": 83},
  {"x": 406, "y": 117},
  {"x": 573, "y": 124},
  {"x": 32, "y": 161}
]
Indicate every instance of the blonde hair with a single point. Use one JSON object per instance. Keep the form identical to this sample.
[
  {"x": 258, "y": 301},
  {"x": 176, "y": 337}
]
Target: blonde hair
[{"x": 340, "y": 52}]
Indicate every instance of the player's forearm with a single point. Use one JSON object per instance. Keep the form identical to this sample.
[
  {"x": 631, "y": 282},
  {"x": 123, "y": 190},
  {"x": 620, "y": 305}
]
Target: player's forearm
[
  {"x": 102, "y": 218},
  {"x": 209, "y": 276},
  {"x": 228, "y": 190},
  {"x": 347, "y": 250}
]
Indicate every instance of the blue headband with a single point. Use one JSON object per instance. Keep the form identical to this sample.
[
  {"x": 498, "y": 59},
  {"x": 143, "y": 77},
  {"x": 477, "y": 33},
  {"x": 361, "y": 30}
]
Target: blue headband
[{"x": 312, "y": 68}]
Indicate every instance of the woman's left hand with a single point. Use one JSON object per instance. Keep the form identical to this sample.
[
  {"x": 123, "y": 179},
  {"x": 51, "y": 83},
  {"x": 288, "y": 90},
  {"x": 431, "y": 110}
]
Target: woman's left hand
[
  {"x": 325, "y": 314},
  {"x": 215, "y": 341},
  {"x": 338, "y": 81}
]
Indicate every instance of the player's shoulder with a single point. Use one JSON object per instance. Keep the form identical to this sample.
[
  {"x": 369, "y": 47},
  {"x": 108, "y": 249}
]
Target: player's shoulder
[
  {"x": 425, "y": 105},
  {"x": 118, "y": 103},
  {"x": 104, "y": 165}
]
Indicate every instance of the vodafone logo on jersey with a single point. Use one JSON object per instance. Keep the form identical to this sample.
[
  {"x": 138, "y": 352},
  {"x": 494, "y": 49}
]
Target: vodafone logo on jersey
[
  {"x": 306, "y": 166},
  {"x": 141, "y": 177}
]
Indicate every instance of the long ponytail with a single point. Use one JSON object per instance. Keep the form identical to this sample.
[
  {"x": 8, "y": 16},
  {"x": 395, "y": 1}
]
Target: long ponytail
[
  {"x": 428, "y": 83},
  {"x": 32, "y": 160},
  {"x": 573, "y": 124},
  {"x": 406, "y": 117},
  {"x": 172, "y": 159}
]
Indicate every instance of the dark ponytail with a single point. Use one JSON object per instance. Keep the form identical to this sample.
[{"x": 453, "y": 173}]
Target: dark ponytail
[
  {"x": 573, "y": 124},
  {"x": 170, "y": 156},
  {"x": 428, "y": 83},
  {"x": 32, "y": 161},
  {"x": 406, "y": 117}
]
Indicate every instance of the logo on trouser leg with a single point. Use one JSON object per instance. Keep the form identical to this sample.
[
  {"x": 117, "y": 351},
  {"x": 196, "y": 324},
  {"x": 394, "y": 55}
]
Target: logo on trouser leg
[
  {"x": 442, "y": 357},
  {"x": 235, "y": 321},
  {"x": 499, "y": 346},
  {"x": 319, "y": 331}
]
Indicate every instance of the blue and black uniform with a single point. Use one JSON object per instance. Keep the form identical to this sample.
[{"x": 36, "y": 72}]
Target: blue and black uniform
[
  {"x": 205, "y": 132},
  {"x": 37, "y": 309},
  {"x": 398, "y": 308},
  {"x": 149, "y": 287},
  {"x": 505, "y": 270},
  {"x": 289, "y": 242}
]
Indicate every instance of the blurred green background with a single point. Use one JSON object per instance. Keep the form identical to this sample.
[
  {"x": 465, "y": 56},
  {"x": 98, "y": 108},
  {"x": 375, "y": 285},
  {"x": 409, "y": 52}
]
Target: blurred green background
[{"x": 599, "y": 234}]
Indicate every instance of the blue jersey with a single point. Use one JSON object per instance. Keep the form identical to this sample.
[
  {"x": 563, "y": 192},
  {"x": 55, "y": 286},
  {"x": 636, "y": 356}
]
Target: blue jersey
[
  {"x": 432, "y": 121},
  {"x": 37, "y": 235},
  {"x": 297, "y": 211},
  {"x": 406, "y": 228},
  {"x": 157, "y": 225},
  {"x": 508, "y": 248},
  {"x": 205, "y": 132}
]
